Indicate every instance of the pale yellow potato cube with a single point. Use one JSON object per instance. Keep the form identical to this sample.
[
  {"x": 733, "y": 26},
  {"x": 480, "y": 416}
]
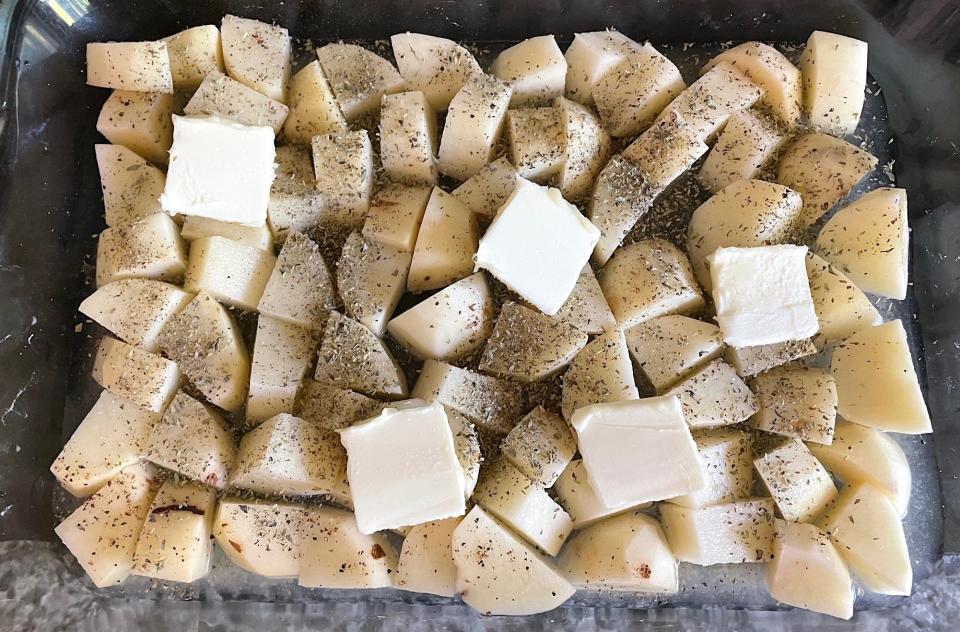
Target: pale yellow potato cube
[
  {"x": 799, "y": 484},
  {"x": 834, "y": 71},
  {"x": 396, "y": 212},
  {"x": 229, "y": 271},
  {"x": 535, "y": 68},
  {"x": 408, "y": 138},
  {"x": 148, "y": 249},
  {"x": 135, "y": 310},
  {"x": 196, "y": 227},
  {"x": 586, "y": 308},
  {"x": 631, "y": 94},
  {"x": 576, "y": 495},
  {"x": 257, "y": 54},
  {"x": 446, "y": 244},
  {"x": 343, "y": 166},
  {"x": 842, "y": 308},
  {"x": 747, "y": 143},
  {"x": 750, "y": 361},
  {"x": 140, "y": 121},
  {"x": 351, "y": 356},
  {"x": 426, "y": 559},
  {"x": 541, "y": 446},
  {"x": 621, "y": 196},
  {"x": 194, "y": 53},
  {"x": 295, "y": 204},
  {"x": 436, "y": 66},
  {"x": 137, "y": 66},
  {"x": 473, "y": 126},
  {"x": 715, "y": 396},
  {"x": 536, "y": 141},
  {"x": 371, "y": 279},
  {"x": 143, "y": 378},
  {"x": 335, "y": 554},
  {"x": 358, "y": 77},
  {"x": 300, "y": 290},
  {"x": 282, "y": 354},
  {"x": 260, "y": 536},
  {"x": 733, "y": 533},
  {"x": 488, "y": 189},
  {"x": 131, "y": 185},
  {"x": 586, "y": 147},
  {"x": 796, "y": 402},
  {"x": 219, "y": 95},
  {"x": 313, "y": 108},
  {"x": 665, "y": 151},
  {"x": 492, "y": 404},
  {"x": 331, "y": 408},
  {"x": 600, "y": 373},
  {"x": 589, "y": 57},
  {"x": 466, "y": 443},
  {"x": 767, "y": 67},
  {"x": 726, "y": 456},
  {"x": 669, "y": 348}
]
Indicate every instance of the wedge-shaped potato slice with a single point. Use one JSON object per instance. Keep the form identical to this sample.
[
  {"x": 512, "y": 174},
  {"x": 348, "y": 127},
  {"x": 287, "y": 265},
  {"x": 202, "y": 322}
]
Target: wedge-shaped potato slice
[
  {"x": 331, "y": 408},
  {"x": 426, "y": 559},
  {"x": 715, "y": 396},
  {"x": 148, "y": 249},
  {"x": 499, "y": 574},
  {"x": 141, "y": 377},
  {"x": 842, "y": 308},
  {"x": 102, "y": 532},
  {"x": 726, "y": 457},
  {"x": 876, "y": 383},
  {"x": 492, "y": 404},
  {"x": 371, "y": 278},
  {"x": 586, "y": 308},
  {"x": 589, "y": 57},
  {"x": 473, "y": 126},
  {"x": 300, "y": 289},
  {"x": 631, "y": 94},
  {"x": 204, "y": 340},
  {"x": 111, "y": 437},
  {"x": 536, "y": 142},
  {"x": 335, "y": 554},
  {"x": 194, "y": 53},
  {"x": 733, "y": 533},
  {"x": 196, "y": 227},
  {"x": 866, "y": 528},
  {"x": 600, "y": 373},
  {"x": 395, "y": 215},
  {"x": 796, "y": 402},
  {"x": 806, "y": 571},
  {"x": 585, "y": 148},
  {"x": 219, "y": 95},
  {"x": 869, "y": 240},
  {"x": 257, "y": 54},
  {"x": 859, "y": 454},
  {"x": 747, "y": 143},
  {"x": 576, "y": 495},
  {"x": 669, "y": 348},
  {"x": 648, "y": 279},
  {"x": 798, "y": 483},
  {"x": 750, "y": 361},
  {"x": 665, "y": 151},
  {"x": 131, "y": 185},
  {"x": 488, "y": 189},
  {"x": 295, "y": 204},
  {"x": 767, "y": 67},
  {"x": 351, "y": 356},
  {"x": 343, "y": 166},
  {"x": 192, "y": 440},
  {"x": 138, "y": 66},
  {"x": 823, "y": 169},
  {"x": 527, "y": 346},
  {"x": 175, "y": 543},
  {"x": 260, "y": 536},
  {"x": 141, "y": 122},
  {"x": 408, "y": 138},
  {"x": 454, "y": 322},
  {"x": 743, "y": 214},
  {"x": 359, "y": 78},
  {"x": 621, "y": 196},
  {"x": 834, "y": 71},
  {"x": 436, "y": 66},
  {"x": 535, "y": 68},
  {"x": 135, "y": 310},
  {"x": 541, "y": 446},
  {"x": 626, "y": 553},
  {"x": 446, "y": 243},
  {"x": 229, "y": 271},
  {"x": 281, "y": 357},
  {"x": 466, "y": 443},
  {"x": 313, "y": 108}
]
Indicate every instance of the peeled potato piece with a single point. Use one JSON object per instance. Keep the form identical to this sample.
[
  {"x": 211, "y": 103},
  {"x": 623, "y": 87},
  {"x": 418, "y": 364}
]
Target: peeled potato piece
[
  {"x": 715, "y": 396},
  {"x": 806, "y": 571},
  {"x": 436, "y": 66},
  {"x": 842, "y": 308},
  {"x": 822, "y": 169},
  {"x": 589, "y": 57},
  {"x": 359, "y": 78},
  {"x": 300, "y": 289},
  {"x": 148, "y": 249},
  {"x": 537, "y": 142},
  {"x": 767, "y": 67},
  {"x": 586, "y": 147},
  {"x": 257, "y": 54},
  {"x": 753, "y": 360},
  {"x": 668, "y": 348},
  {"x": 295, "y": 203},
  {"x": 313, "y": 108},
  {"x": 281, "y": 357},
  {"x": 146, "y": 379},
  {"x": 626, "y": 553},
  {"x": 466, "y": 443},
  {"x": 343, "y": 166},
  {"x": 141, "y": 122},
  {"x": 576, "y": 495},
  {"x": 351, "y": 356},
  {"x": 747, "y": 143},
  {"x": 196, "y": 227},
  {"x": 734, "y": 533},
  {"x": 260, "y": 536},
  {"x": 586, "y": 308},
  {"x": 876, "y": 383},
  {"x": 600, "y": 373},
  {"x": 621, "y": 196},
  {"x": 473, "y": 125},
  {"x": 796, "y": 402},
  {"x": 487, "y": 190},
  {"x": 540, "y": 446},
  {"x": 395, "y": 215},
  {"x": 229, "y": 271},
  {"x": 135, "y": 310},
  {"x": 220, "y": 95},
  {"x": 446, "y": 243},
  {"x": 426, "y": 559},
  {"x": 371, "y": 278},
  {"x": 331, "y": 408},
  {"x": 335, "y": 554},
  {"x": 798, "y": 483},
  {"x": 535, "y": 68},
  {"x": 665, "y": 151},
  {"x": 726, "y": 457},
  {"x": 139, "y": 66},
  {"x": 499, "y": 574},
  {"x": 408, "y": 138},
  {"x": 194, "y": 53},
  {"x": 834, "y": 71},
  {"x": 131, "y": 185}
]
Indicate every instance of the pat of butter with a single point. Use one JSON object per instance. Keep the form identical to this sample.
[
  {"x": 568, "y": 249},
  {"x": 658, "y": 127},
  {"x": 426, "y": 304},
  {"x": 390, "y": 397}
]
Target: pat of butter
[
  {"x": 219, "y": 169},
  {"x": 638, "y": 450},
  {"x": 403, "y": 468},
  {"x": 537, "y": 245},
  {"x": 762, "y": 295}
]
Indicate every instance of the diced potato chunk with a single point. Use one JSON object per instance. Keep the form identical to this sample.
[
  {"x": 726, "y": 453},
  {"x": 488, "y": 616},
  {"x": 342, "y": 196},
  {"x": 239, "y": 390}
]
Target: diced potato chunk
[
  {"x": 834, "y": 71},
  {"x": 141, "y": 122},
  {"x": 589, "y": 57},
  {"x": 726, "y": 455},
  {"x": 715, "y": 396},
  {"x": 351, "y": 356},
  {"x": 149, "y": 249},
  {"x": 359, "y": 78},
  {"x": 620, "y": 198},
  {"x": 753, "y": 360},
  {"x": 131, "y": 185},
  {"x": 796, "y": 402},
  {"x": 631, "y": 94},
  {"x": 436, "y": 66},
  {"x": 586, "y": 307},
  {"x": 488, "y": 189},
  {"x": 576, "y": 495},
  {"x": 669, "y": 348},
  {"x": 219, "y": 95},
  {"x": 143, "y": 378},
  {"x": 135, "y": 310},
  {"x": 842, "y": 308},
  {"x": 229, "y": 271},
  {"x": 331, "y": 408},
  {"x": 408, "y": 138},
  {"x": 586, "y": 147},
  {"x": 426, "y": 559},
  {"x": 665, "y": 151},
  {"x": 536, "y": 142},
  {"x": 747, "y": 143},
  {"x": 540, "y": 446},
  {"x": 876, "y": 383},
  {"x": 196, "y": 227},
  {"x": 371, "y": 278},
  {"x": 295, "y": 204},
  {"x": 137, "y": 66},
  {"x": 281, "y": 357},
  {"x": 313, "y": 108},
  {"x": 396, "y": 212},
  {"x": 343, "y": 165},
  {"x": 600, "y": 373},
  {"x": 194, "y": 53},
  {"x": 300, "y": 288},
  {"x": 260, "y": 536},
  {"x": 473, "y": 126},
  {"x": 734, "y": 533},
  {"x": 492, "y": 404},
  {"x": 798, "y": 483},
  {"x": 335, "y": 554},
  {"x": 446, "y": 243},
  {"x": 535, "y": 68},
  {"x": 257, "y": 54}
]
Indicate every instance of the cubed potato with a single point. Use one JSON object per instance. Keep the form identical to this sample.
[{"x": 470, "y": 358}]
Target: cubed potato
[
  {"x": 498, "y": 574},
  {"x": 358, "y": 77},
  {"x": 371, "y": 278},
  {"x": 131, "y": 185},
  {"x": 111, "y": 437},
  {"x": 600, "y": 373},
  {"x": 192, "y": 440},
  {"x": 447, "y": 240},
  {"x": 135, "y": 310},
  {"x": 726, "y": 456},
  {"x": 589, "y": 57},
  {"x": 143, "y": 378},
  {"x": 842, "y": 308},
  {"x": 536, "y": 140},
  {"x": 473, "y": 126},
  {"x": 148, "y": 249},
  {"x": 669, "y": 348},
  {"x": 648, "y": 279},
  {"x": 747, "y": 143},
  {"x": 488, "y": 189},
  {"x": 750, "y": 361},
  {"x": 396, "y": 212},
  {"x": 196, "y": 227},
  {"x": 733, "y": 533},
  {"x": 866, "y": 528},
  {"x": 229, "y": 271},
  {"x": 219, "y": 95},
  {"x": 331, "y": 408},
  {"x": 408, "y": 138},
  {"x": 295, "y": 204},
  {"x": 194, "y": 53},
  {"x": 527, "y": 346},
  {"x": 626, "y": 553},
  {"x": 665, "y": 151},
  {"x": 204, "y": 340},
  {"x": 586, "y": 147},
  {"x": 799, "y": 484},
  {"x": 535, "y": 68},
  {"x": 335, "y": 554},
  {"x": 343, "y": 166},
  {"x": 767, "y": 67},
  {"x": 175, "y": 543},
  {"x": 576, "y": 495},
  {"x": 313, "y": 108},
  {"x": 621, "y": 196},
  {"x": 282, "y": 355},
  {"x": 715, "y": 396},
  {"x": 834, "y": 71},
  {"x": 351, "y": 356},
  {"x": 631, "y": 94},
  {"x": 822, "y": 169},
  {"x": 102, "y": 533},
  {"x": 140, "y": 121},
  {"x": 453, "y": 323},
  {"x": 426, "y": 559},
  {"x": 257, "y": 54},
  {"x": 492, "y": 404},
  {"x": 436, "y": 66},
  {"x": 796, "y": 402},
  {"x": 466, "y": 443},
  {"x": 863, "y": 455},
  {"x": 260, "y": 536},
  {"x": 743, "y": 214},
  {"x": 876, "y": 383},
  {"x": 806, "y": 571},
  {"x": 541, "y": 446},
  {"x": 586, "y": 308},
  {"x": 300, "y": 290},
  {"x": 136, "y": 66}
]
